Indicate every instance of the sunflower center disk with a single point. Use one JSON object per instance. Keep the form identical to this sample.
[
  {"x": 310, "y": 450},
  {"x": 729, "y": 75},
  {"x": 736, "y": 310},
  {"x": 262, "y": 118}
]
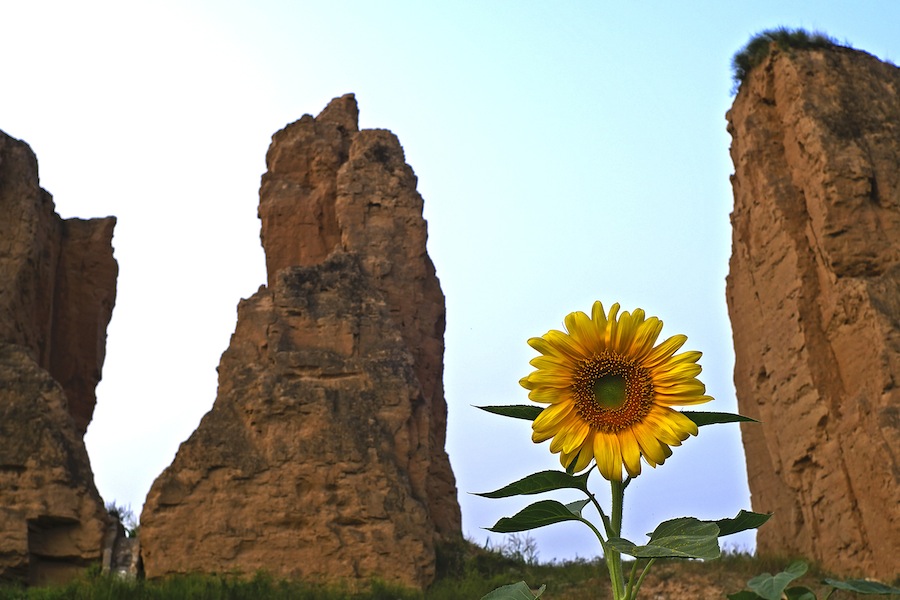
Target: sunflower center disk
[
  {"x": 609, "y": 391},
  {"x": 612, "y": 392}
]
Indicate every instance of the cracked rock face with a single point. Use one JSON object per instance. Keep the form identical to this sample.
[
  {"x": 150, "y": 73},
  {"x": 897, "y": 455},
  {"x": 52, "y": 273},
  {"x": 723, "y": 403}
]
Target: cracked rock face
[
  {"x": 323, "y": 456},
  {"x": 57, "y": 290},
  {"x": 814, "y": 298}
]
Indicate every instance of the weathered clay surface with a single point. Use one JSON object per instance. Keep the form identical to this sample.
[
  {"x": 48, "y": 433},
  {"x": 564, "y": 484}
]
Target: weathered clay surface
[
  {"x": 323, "y": 455},
  {"x": 58, "y": 281},
  {"x": 57, "y": 289},
  {"x": 814, "y": 299},
  {"x": 52, "y": 519}
]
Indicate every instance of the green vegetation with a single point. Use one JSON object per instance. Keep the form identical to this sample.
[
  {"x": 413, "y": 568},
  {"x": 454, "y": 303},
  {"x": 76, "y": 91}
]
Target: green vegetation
[
  {"x": 203, "y": 587},
  {"x": 784, "y": 38},
  {"x": 775, "y": 587},
  {"x": 126, "y": 517},
  {"x": 466, "y": 572}
]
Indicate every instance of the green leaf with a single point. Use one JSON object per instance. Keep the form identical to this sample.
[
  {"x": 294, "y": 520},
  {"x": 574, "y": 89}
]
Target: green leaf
[
  {"x": 537, "y": 483},
  {"x": 514, "y": 591},
  {"x": 742, "y": 522},
  {"x": 701, "y": 418},
  {"x": 744, "y": 595},
  {"x": 861, "y": 586},
  {"x": 770, "y": 587},
  {"x": 576, "y": 507},
  {"x": 799, "y": 593},
  {"x": 516, "y": 411},
  {"x": 686, "y": 537},
  {"x": 539, "y": 514}
]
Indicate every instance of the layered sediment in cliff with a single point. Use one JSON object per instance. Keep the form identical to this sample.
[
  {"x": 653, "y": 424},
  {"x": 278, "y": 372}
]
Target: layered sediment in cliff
[
  {"x": 323, "y": 455},
  {"x": 814, "y": 298},
  {"x": 57, "y": 291}
]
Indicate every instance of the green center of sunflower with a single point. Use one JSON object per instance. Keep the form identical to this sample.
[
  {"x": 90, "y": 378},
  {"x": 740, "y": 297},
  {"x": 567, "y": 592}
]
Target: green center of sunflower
[{"x": 611, "y": 391}]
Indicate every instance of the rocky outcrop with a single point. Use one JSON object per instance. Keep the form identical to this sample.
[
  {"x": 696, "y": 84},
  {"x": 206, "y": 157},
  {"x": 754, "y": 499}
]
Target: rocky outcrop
[
  {"x": 56, "y": 298},
  {"x": 323, "y": 456},
  {"x": 814, "y": 298},
  {"x": 59, "y": 281}
]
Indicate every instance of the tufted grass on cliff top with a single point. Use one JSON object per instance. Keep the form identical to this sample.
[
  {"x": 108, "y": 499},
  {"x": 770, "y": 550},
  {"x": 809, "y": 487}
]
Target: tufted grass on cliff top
[{"x": 759, "y": 46}]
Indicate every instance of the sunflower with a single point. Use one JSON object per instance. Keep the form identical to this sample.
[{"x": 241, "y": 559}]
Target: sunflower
[{"x": 611, "y": 390}]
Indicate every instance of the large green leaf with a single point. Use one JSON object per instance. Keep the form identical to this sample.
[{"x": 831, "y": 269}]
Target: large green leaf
[
  {"x": 514, "y": 591},
  {"x": 516, "y": 411},
  {"x": 799, "y": 593},
  {"x": 539, "y": 514},
  {"x": 770, "y": 587},
  {"x": 742, "y": 522},
  {"x": 686, "y": 537},
  {"x": 537, "y": 483},
  {"x": 701, "y": 418},
  {"x": 743, "y": 595},
  {"x": 861, "y": 586}
]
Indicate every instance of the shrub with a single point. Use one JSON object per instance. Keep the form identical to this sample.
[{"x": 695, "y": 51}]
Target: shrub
[{"x": 784, "y": 38}]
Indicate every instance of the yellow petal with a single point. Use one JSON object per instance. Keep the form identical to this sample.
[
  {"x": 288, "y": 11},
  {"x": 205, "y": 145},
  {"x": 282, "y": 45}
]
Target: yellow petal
[
  {"x": 552, "y": 362},
  {"x": 608, "y": 455},
  {"x": 548, "y": 394},
  {"x": 575, "y": 436},
  {"x": 599, "y": 319},
  {"x": 584, "y": 331},
  {"x": 664, "y": 351},
  {"x": 625, "y": 331},
  {"x": 541, "y": 436},
  {"x": 556, "y": 444},
  {"x": 691, "y": 356},
  {"x": 544, "y": 347},
  {"x": 566, "y": 345},
  {"x": 689, "y": 387},
  {"x": 651, "y": 447},
  {"x": 552, "y": 416},
  {"x": 581, "y": 457},
  {"x": 550, "y": 379},
  {"x": 631, "y": 452},
  {"x": 675, "y": 374},
  {"x": 644, "y": 338},
  {"x": 680, "y": 425},
  {"x": 611, "y": 324},
  {"x": 670, "y": 400},
  {"x": 665, "y": 429},
  {"x": 563, "y": 431}
]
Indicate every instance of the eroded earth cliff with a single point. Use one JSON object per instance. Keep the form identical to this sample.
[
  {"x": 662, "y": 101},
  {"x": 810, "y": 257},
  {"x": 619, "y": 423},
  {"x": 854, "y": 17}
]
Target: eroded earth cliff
[
  {"x": 814, "y": 298},
  {"x": 57, "y": 291},
  {"x": 323, "y": 455}
]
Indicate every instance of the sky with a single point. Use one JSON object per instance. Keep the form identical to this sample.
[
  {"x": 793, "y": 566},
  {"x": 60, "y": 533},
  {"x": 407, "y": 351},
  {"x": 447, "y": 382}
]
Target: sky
[{"x": 566, "y": 151}]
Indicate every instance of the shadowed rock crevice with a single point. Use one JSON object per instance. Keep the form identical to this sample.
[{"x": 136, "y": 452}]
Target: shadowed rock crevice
[{"x": 814, "y": 298}]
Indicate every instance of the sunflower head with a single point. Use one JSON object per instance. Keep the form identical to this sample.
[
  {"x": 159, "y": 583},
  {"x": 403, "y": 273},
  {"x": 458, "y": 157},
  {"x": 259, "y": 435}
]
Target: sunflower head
[{"x": 611, "y": 389}]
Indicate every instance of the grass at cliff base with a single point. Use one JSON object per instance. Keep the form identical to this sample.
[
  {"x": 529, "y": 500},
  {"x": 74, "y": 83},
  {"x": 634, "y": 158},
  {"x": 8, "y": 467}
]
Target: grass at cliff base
[{"x": 476, "y": 571}]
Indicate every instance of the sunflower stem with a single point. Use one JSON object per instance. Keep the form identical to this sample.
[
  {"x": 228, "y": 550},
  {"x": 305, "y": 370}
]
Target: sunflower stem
[
  {"x": 613, "y": 557},
  {"x": 607, "y": 527}
]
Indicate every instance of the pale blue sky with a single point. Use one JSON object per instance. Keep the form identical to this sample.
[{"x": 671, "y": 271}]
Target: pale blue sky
[{"x": 567, "y": 152}]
